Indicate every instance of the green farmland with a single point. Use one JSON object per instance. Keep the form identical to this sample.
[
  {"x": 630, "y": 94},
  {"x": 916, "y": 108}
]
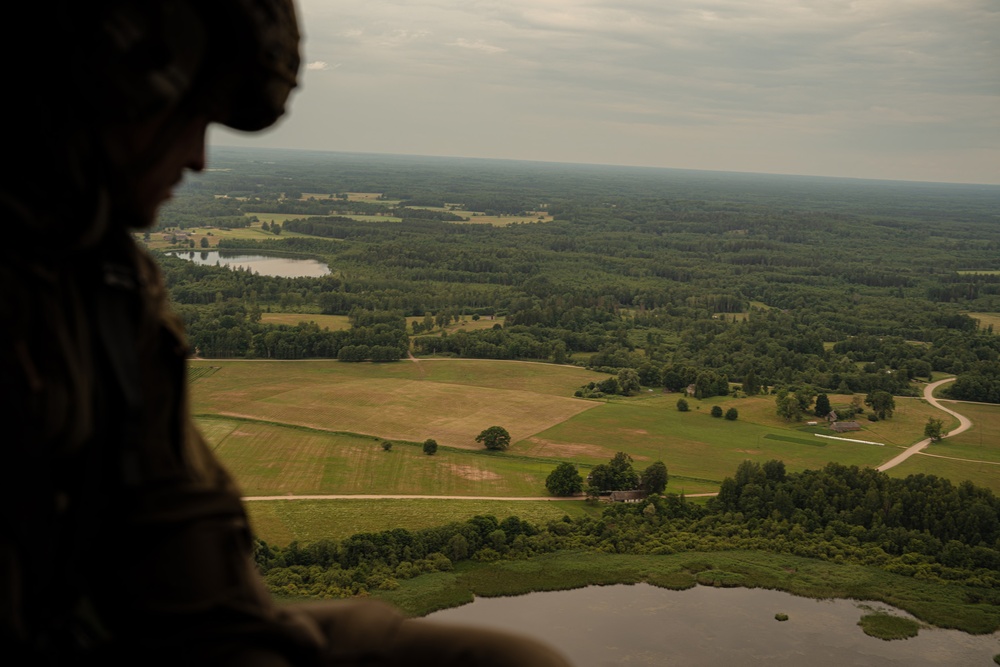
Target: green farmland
[
  {"x": 316, "y": 428},
  {"x": 973, "y": 455}
]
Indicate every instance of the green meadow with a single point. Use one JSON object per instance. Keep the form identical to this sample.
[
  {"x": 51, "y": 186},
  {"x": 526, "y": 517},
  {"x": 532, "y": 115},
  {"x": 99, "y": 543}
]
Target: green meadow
[
  {"x": 317, "y": 427},
  {"x": 281, "y": 522},
  {"x": 973, "y": 455},
  {"x": 331, "y": 322}
]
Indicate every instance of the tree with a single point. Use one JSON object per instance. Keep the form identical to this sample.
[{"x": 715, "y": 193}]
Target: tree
[
  {"x": 933, "y": 429},
  {"x": 732, "y": 414},
  {"x": 787, "y": 406},
  {"x": 628, "y": 381},
  {"x": 774, "y": 470},
  {"x": 204, "y": 241},
  {"x": 682, "y": 405},
  {"x": 601, "y": 478},
  {"x": 717, "y": 411},
  {"x": 654, "y": 478},
  {"x": 882, "y": 403},
  {"x": 750, "y": 384},
  {"x": 430, "y": 446},
  {"x": 495, "y": 437},
  {"x": 564, "y": 480},
  {"x": 823, "y": 405},
  {"x": 615, "y": 475},
  {"x": 386, "y": 445},
  {"x": 625, "y": 477},
  {"x": 609, "y": 386}
]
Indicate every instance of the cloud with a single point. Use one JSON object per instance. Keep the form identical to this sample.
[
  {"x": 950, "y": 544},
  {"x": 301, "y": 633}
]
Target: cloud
[
  {"x": 477, "y": 45},
  {"x": 728, "y": 72}
]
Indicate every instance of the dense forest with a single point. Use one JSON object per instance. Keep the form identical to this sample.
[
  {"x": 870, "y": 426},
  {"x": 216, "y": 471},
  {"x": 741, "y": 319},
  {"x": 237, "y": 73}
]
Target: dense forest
[
  {"x": 921, "y": 526},
  {"x": 846, "y": 286}
]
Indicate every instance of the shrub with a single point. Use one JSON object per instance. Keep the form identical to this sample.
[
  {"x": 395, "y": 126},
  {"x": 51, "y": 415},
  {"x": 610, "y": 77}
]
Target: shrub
[
  {"x": 732, "y": 414},
  {"x": 888, "y": 627},
  {"x": 682, "y": 405},
  {"x": 716, "y": 411},
  {"x": 430, "y": 446}
]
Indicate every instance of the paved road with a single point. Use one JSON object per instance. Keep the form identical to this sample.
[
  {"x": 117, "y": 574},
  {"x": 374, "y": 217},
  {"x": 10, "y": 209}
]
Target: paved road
[{"x": 963, "y": 425}]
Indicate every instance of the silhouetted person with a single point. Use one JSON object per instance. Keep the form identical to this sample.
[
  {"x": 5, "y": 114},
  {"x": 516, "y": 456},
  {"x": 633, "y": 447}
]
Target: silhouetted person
[{"x": 123, "y": 539}]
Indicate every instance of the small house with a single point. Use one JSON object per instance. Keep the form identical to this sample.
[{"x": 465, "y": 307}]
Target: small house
[
  {"x": 627, "y": 496},
  {"x": 842, "y": 427}
]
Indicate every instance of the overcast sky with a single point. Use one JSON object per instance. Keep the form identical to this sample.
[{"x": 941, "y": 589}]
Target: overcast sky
[{"x": 894, "y": 89}]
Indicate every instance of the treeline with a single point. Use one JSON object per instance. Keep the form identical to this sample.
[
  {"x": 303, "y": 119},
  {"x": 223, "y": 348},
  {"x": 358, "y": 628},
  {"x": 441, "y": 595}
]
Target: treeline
[
  {"x": 920, "y": 526},
  {"x": 231, "y": 329},
  {"x": 849, "y": 287},
  {"x": 981, "y": 382}
]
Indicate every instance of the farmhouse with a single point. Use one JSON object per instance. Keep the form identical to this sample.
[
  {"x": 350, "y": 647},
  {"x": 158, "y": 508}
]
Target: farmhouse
[
  {"x": 627, "y": 496},
  {"x": 841, "y": 427}
]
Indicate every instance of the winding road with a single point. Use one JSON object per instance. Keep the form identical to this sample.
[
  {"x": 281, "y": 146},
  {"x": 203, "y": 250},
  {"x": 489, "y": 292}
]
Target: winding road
[{"x": 964, "y": 425}]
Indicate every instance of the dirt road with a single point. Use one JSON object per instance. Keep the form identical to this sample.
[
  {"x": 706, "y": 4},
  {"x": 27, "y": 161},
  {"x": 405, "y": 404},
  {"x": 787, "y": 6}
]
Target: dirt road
[{"x": 963, "y": 425}]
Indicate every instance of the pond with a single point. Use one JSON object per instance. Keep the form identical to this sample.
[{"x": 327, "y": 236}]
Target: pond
[
  {"x": 705, "y": 626},
  {"x": 265, "y": 265}
]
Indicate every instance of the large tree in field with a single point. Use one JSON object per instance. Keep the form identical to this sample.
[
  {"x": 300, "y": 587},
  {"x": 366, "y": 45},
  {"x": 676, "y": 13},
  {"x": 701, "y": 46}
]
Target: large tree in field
[
  {"x": 654, "y": 477},
  {"x": 495, "y": 437},
  {"x": 882, "y": 403},
  {"x": 933, "y": 429},
  {"x": 628, "y": 382},
  {"x": 564, "y": 480}
]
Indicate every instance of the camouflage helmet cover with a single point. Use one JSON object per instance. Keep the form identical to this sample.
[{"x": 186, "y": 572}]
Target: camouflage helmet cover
[
  {"x": 252, "y": 73},
  {"x": 236, "y": 59}
]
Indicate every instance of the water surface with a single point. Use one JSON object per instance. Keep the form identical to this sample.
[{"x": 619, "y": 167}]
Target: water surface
[
  {"x": 265, "y": 265},
  {"x": 705, "y": 626}
]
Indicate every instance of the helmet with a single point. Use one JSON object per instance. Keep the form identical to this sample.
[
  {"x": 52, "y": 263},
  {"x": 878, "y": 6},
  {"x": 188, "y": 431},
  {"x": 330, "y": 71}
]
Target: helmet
[
  {"x": 235, "y": 59},
  {"x": 95, "y": 65}
]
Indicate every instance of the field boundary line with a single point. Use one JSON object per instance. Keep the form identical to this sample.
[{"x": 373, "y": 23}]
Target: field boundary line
[
  {"x": 366, "y": 496},
  {"x": 955, "y": 458}
]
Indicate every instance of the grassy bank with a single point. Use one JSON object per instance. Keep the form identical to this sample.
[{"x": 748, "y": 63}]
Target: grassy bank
[
  {"x": 941, "y": 605},
  {"x": 280, "y": 522}
]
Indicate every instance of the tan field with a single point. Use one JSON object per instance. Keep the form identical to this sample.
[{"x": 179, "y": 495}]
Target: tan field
[{"x": 404, "y": 401}]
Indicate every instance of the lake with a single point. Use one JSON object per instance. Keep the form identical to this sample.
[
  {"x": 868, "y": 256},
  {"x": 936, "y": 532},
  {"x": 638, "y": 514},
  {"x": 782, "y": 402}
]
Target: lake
[
  {"x": 265, "y": 265},
  {"x": 705, "y": 626}
]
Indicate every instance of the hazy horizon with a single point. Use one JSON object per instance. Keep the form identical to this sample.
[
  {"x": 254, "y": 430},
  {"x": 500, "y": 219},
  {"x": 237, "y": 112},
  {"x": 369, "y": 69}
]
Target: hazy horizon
[
  {"x": 250, "y": 147},
  {"x": 875, "y": 90}
]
